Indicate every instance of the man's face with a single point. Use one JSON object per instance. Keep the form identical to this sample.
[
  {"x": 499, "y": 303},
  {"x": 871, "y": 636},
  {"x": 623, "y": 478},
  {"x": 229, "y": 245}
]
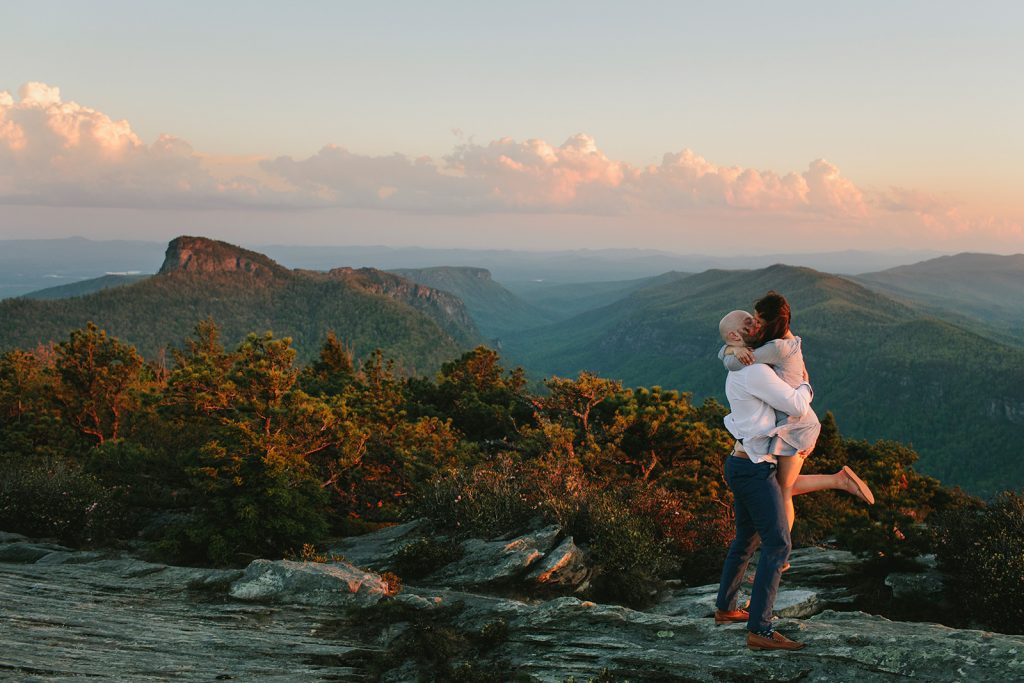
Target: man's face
[{"x": 751, "y": 326}]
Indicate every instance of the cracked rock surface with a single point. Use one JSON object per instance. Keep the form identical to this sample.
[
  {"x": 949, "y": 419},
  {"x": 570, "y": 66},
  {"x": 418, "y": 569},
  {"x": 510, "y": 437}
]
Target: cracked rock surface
[{"x": 104, "y": 616}]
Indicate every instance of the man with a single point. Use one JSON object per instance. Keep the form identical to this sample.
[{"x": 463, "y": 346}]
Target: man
[{"x": 754, "y": 393}]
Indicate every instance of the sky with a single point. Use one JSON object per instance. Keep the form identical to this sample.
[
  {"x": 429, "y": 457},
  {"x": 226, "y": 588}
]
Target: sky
[{"x": 724, "y": 128}]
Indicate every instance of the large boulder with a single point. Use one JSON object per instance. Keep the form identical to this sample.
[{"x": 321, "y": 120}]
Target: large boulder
[
  {"x": 565, "y": 567},
  {"x": 496, "y": 563},
  {"x": 309, "y": 583}
]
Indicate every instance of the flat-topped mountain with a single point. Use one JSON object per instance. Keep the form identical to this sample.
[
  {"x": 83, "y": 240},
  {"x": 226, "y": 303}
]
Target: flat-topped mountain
[
  {"x": 201, "y": 255},
  {"x": 245, "y": 291},
  {"x": 885, "y": 369}
]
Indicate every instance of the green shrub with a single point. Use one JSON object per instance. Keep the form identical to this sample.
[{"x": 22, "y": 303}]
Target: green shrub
[
  {"x": 698, "y": 536},
  {"x": 54, "y": 498},
  {"x": 490, "y": 501},
  {"x": 250, "y": 507},
  {"x": 635, "y": 534},
  {"x": 981, "y": 552},
  {"x": 135, "y": 475},
  {"x": 424, "y": 556},
  {"x": 627, "y": 547}
]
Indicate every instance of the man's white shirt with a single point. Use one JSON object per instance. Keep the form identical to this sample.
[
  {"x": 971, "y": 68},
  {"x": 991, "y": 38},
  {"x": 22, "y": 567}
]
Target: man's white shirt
[{"x": 754, "y": 394}]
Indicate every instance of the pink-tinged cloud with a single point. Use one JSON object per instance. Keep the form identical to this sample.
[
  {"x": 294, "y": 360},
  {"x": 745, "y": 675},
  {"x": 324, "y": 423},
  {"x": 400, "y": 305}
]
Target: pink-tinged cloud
[
  {"x": 685, "y": 178},
  {"x": 58, "y": 153},
  {"x": 537, "y": 175},
  {"x": 62, "y": 153}
]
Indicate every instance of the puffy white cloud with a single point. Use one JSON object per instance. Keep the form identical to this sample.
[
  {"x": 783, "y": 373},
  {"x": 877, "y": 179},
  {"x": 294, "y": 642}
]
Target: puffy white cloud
[
  {"x": 54, "y": 152},
  {"x": 576, "y": 176},
  {"x": 536, "y": 175}
]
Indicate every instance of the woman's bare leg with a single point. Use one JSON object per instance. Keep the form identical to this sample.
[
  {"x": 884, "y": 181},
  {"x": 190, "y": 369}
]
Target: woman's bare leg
[
  {"x": 806, "y": 483},
  {"x": 843, "y": 480},
  {"x": 787, "y": 476}
]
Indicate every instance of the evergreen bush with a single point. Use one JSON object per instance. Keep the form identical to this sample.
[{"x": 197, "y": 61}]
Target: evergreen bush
[
  {"x": 54, "y": 498},
  {"x": 982, "y": 553}
]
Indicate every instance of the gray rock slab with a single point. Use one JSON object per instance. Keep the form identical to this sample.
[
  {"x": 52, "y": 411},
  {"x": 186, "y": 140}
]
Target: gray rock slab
[
  {"x": 9, "y": 537},
  {"x": 124, "y": 620},
  {"x": 90, "y": 622},
  {"x": 25, "y": 551},
  {"x": 72, "y": 557},
  {"x": 376, "y": 549},
  {"x": 815, "y": 566},
  {"x": 488, "y": 563},
  {"x": 926, "y": 585},
  {"x": 308, "y": 583},
  {"x": 699, "y": 602},
  {"x": 568, "y": 637}
]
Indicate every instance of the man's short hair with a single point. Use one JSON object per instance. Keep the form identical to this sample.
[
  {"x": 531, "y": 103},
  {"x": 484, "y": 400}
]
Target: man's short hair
[{"x": 732, "y": 321}]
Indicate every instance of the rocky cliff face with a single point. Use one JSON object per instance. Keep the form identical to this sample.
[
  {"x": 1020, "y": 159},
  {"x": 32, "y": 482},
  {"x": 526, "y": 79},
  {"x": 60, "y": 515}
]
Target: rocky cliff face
[
  {"x": 201, "y": 255},
  {"x": 447, "y": 309}
]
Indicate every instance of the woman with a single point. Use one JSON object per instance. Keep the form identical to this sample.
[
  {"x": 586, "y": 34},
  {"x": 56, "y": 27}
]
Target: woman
[{"x": 793, "y": 438}]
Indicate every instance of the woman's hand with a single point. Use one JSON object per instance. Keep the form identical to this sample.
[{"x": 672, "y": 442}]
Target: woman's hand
[{"x": 743, "y": 355}]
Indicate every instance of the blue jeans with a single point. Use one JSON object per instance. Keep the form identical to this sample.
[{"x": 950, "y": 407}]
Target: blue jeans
[{"x": 759, "y": 512}]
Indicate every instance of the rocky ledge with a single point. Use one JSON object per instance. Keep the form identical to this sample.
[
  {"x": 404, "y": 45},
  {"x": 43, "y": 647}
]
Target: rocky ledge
[{"x": 71, "y": 614}]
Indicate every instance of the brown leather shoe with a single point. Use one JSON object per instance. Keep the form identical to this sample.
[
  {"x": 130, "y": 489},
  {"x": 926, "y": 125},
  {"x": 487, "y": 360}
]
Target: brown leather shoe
[
  {"x": 734, "y": 617},
  {"x": 776, "y": 642}
]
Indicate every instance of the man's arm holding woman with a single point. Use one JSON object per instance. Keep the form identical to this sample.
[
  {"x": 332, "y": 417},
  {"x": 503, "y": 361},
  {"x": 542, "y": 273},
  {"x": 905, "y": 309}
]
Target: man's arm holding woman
[{"x": 764, "y": 384}]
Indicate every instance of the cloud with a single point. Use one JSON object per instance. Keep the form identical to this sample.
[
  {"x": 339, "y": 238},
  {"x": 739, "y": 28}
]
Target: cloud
[
  {"x": 337, "y": 177},
  {"x": 57, "y": 153},
  {"x": 537, "y": 175},
  {"x": 61, "y": 153},
  {"x": 685, "y": 178}
]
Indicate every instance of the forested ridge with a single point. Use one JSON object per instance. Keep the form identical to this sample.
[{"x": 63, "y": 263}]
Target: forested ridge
[
  {"x": 245, "y": 291},
  {"x": 884, "y": 368}
]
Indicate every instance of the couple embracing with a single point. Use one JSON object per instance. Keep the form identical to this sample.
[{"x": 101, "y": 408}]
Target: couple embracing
[{"x": 775, "y": 429}]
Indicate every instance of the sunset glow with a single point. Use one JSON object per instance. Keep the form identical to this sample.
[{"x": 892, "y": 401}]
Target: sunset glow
[{"x": 669, "y": 173}]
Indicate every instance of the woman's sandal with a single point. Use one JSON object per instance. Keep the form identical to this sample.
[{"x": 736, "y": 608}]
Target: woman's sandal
[{"x": 862, "y": 490}]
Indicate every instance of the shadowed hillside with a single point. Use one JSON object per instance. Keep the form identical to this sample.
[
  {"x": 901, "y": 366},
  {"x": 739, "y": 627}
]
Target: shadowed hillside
[
  {"x": 245, "y": 291},
  {"x": 563, "y": 300},
  {"x": 882, "y": 367},
  {"x": 986, "y": 287},
  {"x": 84, "y": 287},
  {"x": 495, "y": 310}
]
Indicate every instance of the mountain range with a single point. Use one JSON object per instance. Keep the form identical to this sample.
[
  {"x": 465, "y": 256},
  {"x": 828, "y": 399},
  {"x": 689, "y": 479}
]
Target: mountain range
[
  {"x": 27, "y": 265},
  {"x": 927, "y": 354},
  {"x": 984, "y": 288},
  {"x": 244, "y": 291}
]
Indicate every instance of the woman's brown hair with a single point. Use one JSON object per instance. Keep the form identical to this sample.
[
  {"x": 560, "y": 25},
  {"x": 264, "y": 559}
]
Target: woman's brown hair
[{"x": 774, "y": 311}]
